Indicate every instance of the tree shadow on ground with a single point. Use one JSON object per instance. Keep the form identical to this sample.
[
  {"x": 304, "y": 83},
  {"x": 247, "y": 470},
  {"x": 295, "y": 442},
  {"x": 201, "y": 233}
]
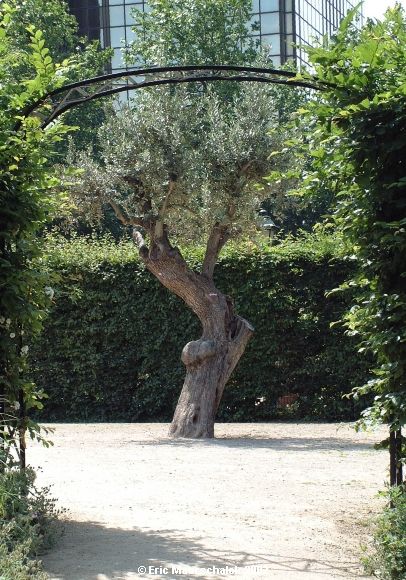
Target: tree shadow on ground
[
  {"x": 281, "y": 443},
  {"x": 92, "y": 551}
]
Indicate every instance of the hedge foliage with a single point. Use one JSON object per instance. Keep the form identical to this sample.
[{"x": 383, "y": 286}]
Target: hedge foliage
[
  {"x": 28, "y": 199},
  {"x": 111, "y": 346},
  {"x": 357, "y": 138}
]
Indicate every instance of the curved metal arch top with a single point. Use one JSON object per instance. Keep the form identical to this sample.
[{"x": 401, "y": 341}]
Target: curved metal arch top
[{"x": 53, "y": 104}]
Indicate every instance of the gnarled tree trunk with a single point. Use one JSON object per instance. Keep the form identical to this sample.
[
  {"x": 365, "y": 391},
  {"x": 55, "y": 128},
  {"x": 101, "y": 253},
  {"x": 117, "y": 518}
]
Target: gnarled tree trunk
[{"x": 210, "y": 360}]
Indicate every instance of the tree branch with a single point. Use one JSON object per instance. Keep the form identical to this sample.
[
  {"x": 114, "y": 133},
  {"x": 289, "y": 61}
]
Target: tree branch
[
  {"x": 140, "y": 242},
  {"x": 245, "y": 167},
  {"x": 185, "y": 208},
  {"x": 124, "y": 218},
  {"x": 162, "y": 211},
  {"x": 219, "y": 236},
  {"x": 217, "y": 239}
]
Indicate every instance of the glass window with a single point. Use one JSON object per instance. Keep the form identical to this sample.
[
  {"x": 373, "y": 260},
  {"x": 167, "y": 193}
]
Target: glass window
[
  {"x": 116, "y": 61},
  {"x": 116, "y": 15},
  {"x": 318, "y": 5},
  {"x": 269, "y": 5},
  {"x": 270, "y": 23},
  {"x": 129, "y": 34},
  {"x": 113, "y": 2},
  {"x": 94, "y": 17},
  {"x": 255, "y": 5},
  {"x": 289, "y": 41},
  {"x": 254, "y": 24},
  {"x": 117, "y": 35},
  {"x": 93, "y": 34},
  {"x": 289, "y": 23},
  {"x": 272, "y": 40},
  {"x": 80, "y": 15},
  {"x": 122, "y": 98},
  {"x": 129, "y": 9}
]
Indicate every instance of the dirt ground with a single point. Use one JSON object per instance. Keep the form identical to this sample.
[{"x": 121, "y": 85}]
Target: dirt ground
[{"x": 282, "y": 501}]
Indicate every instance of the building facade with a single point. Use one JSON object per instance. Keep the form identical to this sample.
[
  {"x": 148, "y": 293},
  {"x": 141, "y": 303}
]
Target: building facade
[{"x": 283, "y": 25}]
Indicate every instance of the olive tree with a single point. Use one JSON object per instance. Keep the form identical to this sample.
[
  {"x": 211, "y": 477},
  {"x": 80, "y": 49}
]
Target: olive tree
[{"x": 184, "y": 164}]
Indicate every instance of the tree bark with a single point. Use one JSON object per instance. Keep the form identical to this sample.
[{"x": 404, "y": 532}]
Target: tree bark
[
  {"x": 210, "y": 360},
  {"x": 209, "y": 364}
]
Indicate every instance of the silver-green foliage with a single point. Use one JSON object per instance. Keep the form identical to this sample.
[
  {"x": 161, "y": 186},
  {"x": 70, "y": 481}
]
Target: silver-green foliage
[
  {"x": 189, "y": 156},
  {"x": 185, "y": 158}
]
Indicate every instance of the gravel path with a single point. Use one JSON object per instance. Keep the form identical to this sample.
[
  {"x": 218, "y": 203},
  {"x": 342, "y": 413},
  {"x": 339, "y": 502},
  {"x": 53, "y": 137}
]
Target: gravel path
[{"x": 277, "y": 501}]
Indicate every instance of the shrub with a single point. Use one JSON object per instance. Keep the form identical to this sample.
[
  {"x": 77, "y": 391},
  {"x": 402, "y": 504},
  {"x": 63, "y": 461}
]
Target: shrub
[
  {"x": 15, "y": 561},
  {"x": 388, "y": 560},
  {"x": 109, "y": 352},
  {"x": 27, "y": 200},
  {"x": 357, "y": 139},
  {"x": 27, "y": 525}
]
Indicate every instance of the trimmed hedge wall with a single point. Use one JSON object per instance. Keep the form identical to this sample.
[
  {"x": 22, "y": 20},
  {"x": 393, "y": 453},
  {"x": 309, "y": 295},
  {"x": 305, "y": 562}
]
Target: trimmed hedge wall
[{"x": 111, "y": 346}]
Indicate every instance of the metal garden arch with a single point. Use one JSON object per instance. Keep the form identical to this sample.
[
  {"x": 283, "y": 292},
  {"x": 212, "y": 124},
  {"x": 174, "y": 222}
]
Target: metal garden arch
[{"x": 56, "y": 102}]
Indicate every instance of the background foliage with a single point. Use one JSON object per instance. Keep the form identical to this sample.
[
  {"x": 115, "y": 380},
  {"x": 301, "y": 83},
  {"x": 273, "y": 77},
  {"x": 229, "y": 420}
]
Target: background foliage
[
  {"x": 176, "y": 32},
  {"x": 60, "y": 29},
  {"x": 27, "y": 199},
  {"x": 357, "y": 136},
  {"x": 97, "y": 356}
]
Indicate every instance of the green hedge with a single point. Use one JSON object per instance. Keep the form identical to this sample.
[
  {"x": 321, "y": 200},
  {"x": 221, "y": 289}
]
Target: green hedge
[{"x": 112, "y": 344}]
